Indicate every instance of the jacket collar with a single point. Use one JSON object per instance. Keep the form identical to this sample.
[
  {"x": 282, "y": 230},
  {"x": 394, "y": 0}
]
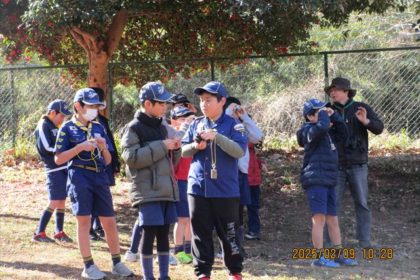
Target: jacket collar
[
  {"x": 340, "y": 106},
  {"x": 212, "y": 124},
  {"x": 149, "y": 121}
]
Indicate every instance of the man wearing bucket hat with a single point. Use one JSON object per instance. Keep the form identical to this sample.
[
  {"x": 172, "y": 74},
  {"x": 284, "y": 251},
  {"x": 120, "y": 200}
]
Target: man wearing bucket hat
[
  {"x": 150, "y": 157},
  {"x": 215, "y": 141},
  {"x": 353, "y": 153},
  {"x": 46, "y": 134},
  {"x": 84, "y": 145}
]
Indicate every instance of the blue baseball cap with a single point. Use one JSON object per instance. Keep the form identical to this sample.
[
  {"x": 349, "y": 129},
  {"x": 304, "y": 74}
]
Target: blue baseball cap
[
  {"x": 59, "y": 105},
  {"x": 88, "y": 96},
  {"x": 213, "y": 87},
  {"x": 154, "y": 91},
  {"x": 180, "y": 111},
  {"x": 312, "y": 104}
]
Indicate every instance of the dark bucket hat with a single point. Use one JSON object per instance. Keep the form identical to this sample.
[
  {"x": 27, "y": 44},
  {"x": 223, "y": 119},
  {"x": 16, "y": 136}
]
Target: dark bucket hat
[{"x": 341, "y": 83}]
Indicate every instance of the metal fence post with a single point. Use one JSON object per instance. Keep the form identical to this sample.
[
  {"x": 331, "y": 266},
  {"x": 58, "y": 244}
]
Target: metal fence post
[
  {"x": 14, "y": 115},
  {"x": 212, "y": 69},
  {"x": 326, "y": 78}
]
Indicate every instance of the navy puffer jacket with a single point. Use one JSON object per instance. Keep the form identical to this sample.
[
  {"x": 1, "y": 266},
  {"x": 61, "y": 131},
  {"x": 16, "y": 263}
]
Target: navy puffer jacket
[{"x": 320, "y": 161}]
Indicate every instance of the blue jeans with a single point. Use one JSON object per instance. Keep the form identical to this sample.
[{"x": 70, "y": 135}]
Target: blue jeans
[
  {"x": 254, "y": 223},
  {"x": 356, "y": 177}
]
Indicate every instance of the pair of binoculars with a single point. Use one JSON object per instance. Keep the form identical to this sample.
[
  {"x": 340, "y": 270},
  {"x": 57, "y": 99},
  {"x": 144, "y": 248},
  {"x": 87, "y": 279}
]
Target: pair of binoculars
[{"x": 198, "y": 137}]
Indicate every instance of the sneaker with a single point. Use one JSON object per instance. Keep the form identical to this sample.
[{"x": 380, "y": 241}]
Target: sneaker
[
  {"x": 121, "y": 270},
  {"x": 203, "y": 277},
  {"x": 131, "y": 257},
  {"x": 100, "y": 232},
  {"x": 41, "y": 237},
  {"x": 62, "y": 237},
  {"x": 252, "y": 236},
  {"x": 323, "y": 262},
  {"x": 219, "y": 254},
  {"x": 93, "y": 272},
  {"x": 235, "y": 276},
  {"x": 165, "y": 278},
  {"x": 346, "y": 261},
  {"x": 93, "y": 236},
  {"x": 183, "y": 258},
  {"x": 172, "y": 259}
]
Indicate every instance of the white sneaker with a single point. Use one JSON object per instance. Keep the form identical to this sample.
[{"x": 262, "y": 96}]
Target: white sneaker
[
  {"x": 121, "y": 270},
  {"x": 172, "y": 260},
  {"x": 131, "y": 257},
  {"x": 93, "y": 272}
]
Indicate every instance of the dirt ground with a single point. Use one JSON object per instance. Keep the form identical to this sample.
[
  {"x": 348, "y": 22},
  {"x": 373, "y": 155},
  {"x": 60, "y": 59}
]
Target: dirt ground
[{"x": 394, "y": 199}]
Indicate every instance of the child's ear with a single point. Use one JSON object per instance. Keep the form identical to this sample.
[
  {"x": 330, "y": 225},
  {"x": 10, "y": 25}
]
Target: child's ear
[
  {"x": 77, "y": 106},
  {"x": 223, "y": 101},
  {"x": 147, "y": 104}
]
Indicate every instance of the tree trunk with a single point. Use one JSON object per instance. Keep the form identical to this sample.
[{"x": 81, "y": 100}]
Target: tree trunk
[{"x": 99, "y": 52}]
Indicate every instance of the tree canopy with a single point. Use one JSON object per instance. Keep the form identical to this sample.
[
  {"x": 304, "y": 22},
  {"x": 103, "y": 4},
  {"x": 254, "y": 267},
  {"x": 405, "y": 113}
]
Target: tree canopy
[{"x": 89, "y": 31}]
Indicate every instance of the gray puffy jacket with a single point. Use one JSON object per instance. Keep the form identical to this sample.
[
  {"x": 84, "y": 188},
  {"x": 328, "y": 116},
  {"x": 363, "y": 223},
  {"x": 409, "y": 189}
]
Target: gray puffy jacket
[{"x": 149, "y": 165}]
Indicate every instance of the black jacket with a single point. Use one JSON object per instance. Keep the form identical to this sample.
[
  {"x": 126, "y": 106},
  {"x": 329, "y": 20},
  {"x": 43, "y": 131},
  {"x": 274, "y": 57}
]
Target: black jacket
[
  {"x": 355, "y": 149},
  {"x": 115, "y": 163}
]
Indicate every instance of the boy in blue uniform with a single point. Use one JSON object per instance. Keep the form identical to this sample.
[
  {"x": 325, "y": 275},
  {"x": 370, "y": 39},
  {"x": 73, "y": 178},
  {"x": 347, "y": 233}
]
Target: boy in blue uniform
[
  {"x": 319, "y": 135},
  {"x": 46, "y": 134},
  {"x": 215, "y": 141},
  {"x": 84, "y": 146},
  {"x": 150, "y": 157}
]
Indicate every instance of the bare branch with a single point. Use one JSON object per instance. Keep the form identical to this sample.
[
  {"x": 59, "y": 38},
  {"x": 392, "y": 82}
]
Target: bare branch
[
  {"x": 115, "y": 31},
  {"x": 89, "y": 39},
  {"x": 80, "y": 40}
]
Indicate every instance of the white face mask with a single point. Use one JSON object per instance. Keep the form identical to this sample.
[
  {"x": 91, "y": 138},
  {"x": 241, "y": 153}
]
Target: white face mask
[{"x": 90, "y": 114}]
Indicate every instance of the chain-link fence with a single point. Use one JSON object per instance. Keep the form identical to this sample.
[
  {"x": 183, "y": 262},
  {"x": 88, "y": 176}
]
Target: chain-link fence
[{"x": 272, "y": 89}]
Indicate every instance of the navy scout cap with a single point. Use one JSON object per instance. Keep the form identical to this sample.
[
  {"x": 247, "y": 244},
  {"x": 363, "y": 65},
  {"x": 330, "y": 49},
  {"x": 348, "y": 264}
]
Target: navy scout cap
[
  {"x": 312, "y": 104},
  {"x": 180, "y": 111},
  {"x": 87, "y": 96},
  {"x": 59, "y": 105},
  {"x": 213, "y": 87},
  {"x": 154, "y": 91},
  {"x": 180, "y": 98}
]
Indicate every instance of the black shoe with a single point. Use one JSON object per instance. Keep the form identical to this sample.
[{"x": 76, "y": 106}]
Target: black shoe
[
  {"x": 100, "y": 232},
  {"x": 93, "y": 236},
  {"x": 252, "y": 236}
]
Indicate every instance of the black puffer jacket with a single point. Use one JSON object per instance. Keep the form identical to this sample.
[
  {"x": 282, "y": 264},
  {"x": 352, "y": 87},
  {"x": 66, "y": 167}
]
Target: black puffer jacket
[{"x": 355, "y": 149}]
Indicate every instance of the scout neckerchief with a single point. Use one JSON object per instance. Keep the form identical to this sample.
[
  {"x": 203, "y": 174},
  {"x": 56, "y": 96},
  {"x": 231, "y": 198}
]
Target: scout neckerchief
[{"x": 88, "y": 131}]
